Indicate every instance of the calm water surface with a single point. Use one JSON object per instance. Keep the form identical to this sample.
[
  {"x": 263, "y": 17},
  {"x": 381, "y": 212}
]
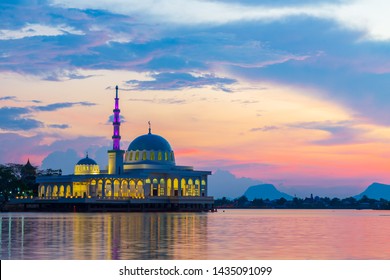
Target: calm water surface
[{"x": 233, "y": 234}]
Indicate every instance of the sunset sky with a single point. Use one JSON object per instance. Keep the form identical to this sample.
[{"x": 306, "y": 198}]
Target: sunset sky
[{"x": 290, "y": 92}]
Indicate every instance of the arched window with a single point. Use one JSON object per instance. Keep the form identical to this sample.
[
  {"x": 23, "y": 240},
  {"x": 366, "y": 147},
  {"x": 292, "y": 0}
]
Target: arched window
[
  {"x": 68, "y": 191},
  {"x": 140, "y": 189},
  {"x": 132, "y": 188},
  {"x": 48, "y": 191},
  {"x": 166, "y": 155},
  {"x": 125, "y": 188},
  {"x": 159, "y": 156},
  {"x": 42, "y": 191},
  {"x": 190, "y": 186},
  {"x": 169, "y": 187},
  {"x": 99, "y": 188},
  {"x": 154, "y": 188},
  {"x": 197, "y": 187},
  {"x": 136, "y": 155},
  {"x": 162, "y": 187},
  {"x": 144, "y": 156},
  {"x": 151, "y": 155},
  {"x": 175, "y": 187},
  {"x": 108, "y": 189},
  {"x": 117, "y": 188},
  {"x": 183, "y": 187},
  {"x": 131, "y": 156}
]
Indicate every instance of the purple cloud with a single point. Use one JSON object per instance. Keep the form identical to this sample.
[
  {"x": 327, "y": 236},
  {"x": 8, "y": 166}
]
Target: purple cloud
[
  {"x": 62, "y": 105},
  {"x": 8, "y": 98},
  {"x": 265, "y": 128},
  {"x": 16, "y": 118},
  {"x": 59, "y": 126},
  {"x": 178, "y": 81},
  {"x": 20, "y": 118},
  {"x": 340, "y": 133}
]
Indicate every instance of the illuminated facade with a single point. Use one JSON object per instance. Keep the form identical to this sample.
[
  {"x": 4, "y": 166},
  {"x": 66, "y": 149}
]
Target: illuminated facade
[{"x": 143, "y": 177}]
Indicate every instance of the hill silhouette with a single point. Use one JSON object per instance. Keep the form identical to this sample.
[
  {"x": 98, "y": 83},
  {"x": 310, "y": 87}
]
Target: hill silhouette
[
  {"x": 265, "y": 191},
  {"x": 376, "y": 191}
]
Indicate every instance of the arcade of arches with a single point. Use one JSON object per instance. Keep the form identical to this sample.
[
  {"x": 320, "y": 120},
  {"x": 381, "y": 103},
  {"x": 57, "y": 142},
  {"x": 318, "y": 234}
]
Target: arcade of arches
[{"x": 125, "y": 188}]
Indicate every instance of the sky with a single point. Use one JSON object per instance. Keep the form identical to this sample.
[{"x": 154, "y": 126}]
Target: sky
[{"x": 290, "y": 92}]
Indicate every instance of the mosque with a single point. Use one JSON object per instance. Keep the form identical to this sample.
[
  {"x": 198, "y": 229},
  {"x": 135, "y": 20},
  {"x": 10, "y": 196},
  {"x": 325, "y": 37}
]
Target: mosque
[{"x": 145, "y": 177}]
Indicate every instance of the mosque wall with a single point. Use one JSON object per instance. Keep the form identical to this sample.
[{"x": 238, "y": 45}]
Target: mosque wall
[{"x": 156, "y": 185}]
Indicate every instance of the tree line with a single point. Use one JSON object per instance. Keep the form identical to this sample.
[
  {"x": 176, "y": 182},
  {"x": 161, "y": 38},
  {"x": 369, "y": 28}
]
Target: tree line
[
  {"x": 17, "y": 180},
  {"x": 303, "y": 203}
]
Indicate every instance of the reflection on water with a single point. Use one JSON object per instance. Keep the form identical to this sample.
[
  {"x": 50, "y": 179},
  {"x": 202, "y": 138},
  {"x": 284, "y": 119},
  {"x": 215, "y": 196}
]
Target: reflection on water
[
  {"x": 102, "y": 236},
  {"x": 233, "y": 234}
]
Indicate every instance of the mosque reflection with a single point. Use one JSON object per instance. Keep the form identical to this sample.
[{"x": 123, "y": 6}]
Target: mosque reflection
[{"x": 104, "y": 236}]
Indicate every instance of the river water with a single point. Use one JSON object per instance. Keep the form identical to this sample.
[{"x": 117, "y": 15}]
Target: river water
[{"x": 229, "y": 234}]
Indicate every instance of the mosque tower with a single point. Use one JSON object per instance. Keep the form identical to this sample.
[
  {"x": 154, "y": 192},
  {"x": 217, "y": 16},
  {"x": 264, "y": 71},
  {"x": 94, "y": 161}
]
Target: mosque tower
[
  {"x": 115, "y": 156},
  {"x": 116, "y": 138}
]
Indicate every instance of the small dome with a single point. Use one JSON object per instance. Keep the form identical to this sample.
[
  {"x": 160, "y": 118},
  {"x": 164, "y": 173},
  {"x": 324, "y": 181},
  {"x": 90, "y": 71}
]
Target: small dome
[
  {"x": 86, "y": 166},
  {"x": 86, "y": 161},
  {"x": 149, "y": 142}
]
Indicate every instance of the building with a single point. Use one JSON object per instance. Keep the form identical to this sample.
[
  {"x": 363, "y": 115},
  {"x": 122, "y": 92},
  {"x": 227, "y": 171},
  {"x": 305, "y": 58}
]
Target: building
[{"x": 144, "y": 177}]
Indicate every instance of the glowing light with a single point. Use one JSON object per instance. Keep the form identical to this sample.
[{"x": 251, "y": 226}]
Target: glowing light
[{"x": 116, "y": 137}]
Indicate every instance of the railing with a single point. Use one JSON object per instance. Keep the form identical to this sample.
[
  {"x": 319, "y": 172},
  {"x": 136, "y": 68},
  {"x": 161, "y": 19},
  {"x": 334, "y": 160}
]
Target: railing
[
  {"x": 108, "y": 197},
  {"x": 86, "y": 197}
]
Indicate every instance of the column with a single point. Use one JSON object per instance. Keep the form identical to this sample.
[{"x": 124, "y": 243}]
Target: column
[
  {"x": 147, "y": 189},
  {"x": 179, "y": 187},
  {"x": 103, "y": 188},
  {"x": 112, "y": 189}
]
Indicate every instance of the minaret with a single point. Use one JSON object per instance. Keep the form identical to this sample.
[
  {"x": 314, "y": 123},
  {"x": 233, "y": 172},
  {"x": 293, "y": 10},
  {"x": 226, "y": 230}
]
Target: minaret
[
  {"x": 115, "y": 156},
  {"x": 116, "y": 138}
]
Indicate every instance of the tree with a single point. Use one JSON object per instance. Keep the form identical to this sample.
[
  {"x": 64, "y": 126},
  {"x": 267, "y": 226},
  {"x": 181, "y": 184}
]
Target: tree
[
  {"x": 258, "y": 202},
  {"x": 297, "y": 202},
  {"x": 335, "y": 202},
  {"x": 281, "y": 201},
  {"x": 222, "y": 202},
  {"x": 9, "y": 183},
  {"x": 241, "y": 201},
  {"x": 17, "y": 180}
]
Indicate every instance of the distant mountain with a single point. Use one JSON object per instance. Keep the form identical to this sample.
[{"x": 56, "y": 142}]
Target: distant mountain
[
  {"x": 224, "y": 184},
  {"x": 376, "y": 191},
  {"x": 341, "y": 191},
  {"x": 265, "y": 191}
]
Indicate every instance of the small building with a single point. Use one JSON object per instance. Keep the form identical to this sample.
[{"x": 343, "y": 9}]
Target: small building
[{"x": 144, "y": 177}]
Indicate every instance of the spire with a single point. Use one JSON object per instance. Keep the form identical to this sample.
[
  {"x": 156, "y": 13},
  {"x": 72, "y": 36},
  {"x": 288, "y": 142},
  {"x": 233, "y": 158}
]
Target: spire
[
  {"x": 28, "y": 164},
  {"x": 150, "y": 128},
  {"x": 116, "y": 138}
]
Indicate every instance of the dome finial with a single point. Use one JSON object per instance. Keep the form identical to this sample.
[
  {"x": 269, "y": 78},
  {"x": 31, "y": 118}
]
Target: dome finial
[
  {"x": 150, "y": 127},
  {"x": 86, "y": 154}
]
